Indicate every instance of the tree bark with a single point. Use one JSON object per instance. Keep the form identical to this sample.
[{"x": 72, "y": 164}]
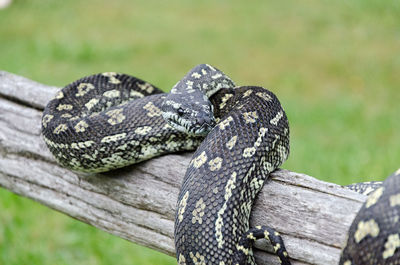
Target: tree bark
[{"x": 138, "y": 202}]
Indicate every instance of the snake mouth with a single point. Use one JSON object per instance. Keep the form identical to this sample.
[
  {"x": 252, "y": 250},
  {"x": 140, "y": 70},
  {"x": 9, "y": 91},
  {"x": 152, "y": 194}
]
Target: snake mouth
[{"x": 186, "y": 126}]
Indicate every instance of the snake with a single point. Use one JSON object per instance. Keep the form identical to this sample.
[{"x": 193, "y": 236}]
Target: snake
[
  {"x": 240, "y": 135},
  {"x": 374, "y": 235},
  {"x": 110, "y": 120}
]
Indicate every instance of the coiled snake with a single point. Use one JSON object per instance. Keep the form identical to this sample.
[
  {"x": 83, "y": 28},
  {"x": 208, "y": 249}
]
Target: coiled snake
[{"x": 111, "y": 120}]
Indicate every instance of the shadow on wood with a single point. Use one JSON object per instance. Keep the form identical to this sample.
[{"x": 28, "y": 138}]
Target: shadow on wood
[{"x": 138, "y": 202}]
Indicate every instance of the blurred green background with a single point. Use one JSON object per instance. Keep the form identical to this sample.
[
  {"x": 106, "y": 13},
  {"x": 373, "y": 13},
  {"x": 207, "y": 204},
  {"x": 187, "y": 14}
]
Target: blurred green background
[{"x": 334, "y": 65}]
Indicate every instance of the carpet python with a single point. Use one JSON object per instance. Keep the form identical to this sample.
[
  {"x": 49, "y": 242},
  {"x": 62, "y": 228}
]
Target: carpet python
[
  {"x": 374, "y": 235},
  {"x": 110, "y": 120}
]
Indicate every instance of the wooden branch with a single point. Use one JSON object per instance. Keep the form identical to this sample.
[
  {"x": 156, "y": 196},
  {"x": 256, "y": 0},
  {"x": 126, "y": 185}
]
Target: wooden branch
[{"x": 138, "y": 202}]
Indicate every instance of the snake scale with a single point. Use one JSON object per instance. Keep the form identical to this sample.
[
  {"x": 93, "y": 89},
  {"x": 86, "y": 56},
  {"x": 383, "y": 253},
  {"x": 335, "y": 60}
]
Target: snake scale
[{"x": 110, "y": 120}]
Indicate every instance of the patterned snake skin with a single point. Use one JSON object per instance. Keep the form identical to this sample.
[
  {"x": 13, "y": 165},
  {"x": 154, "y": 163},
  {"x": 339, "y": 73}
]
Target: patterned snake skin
[
  {"x": 374, "y": 236},
  {"x": 111, "y": 120}
]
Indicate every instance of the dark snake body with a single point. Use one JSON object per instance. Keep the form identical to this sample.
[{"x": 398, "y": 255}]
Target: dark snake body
[
  {"x": 226, "y": 173},
  {"x": 111, "y": 120},
  {"x": 374, "y": 236}
]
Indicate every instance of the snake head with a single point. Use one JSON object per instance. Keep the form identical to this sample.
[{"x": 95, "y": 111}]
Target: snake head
[{"x": 191, "y": 113}]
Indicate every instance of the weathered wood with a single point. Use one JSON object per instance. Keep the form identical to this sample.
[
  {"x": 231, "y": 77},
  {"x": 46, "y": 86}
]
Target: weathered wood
[{"x": 138, "y": 202}]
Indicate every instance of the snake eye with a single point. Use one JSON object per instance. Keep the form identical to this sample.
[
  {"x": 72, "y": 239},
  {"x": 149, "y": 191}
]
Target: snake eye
[{"x": 180, "y": 111}]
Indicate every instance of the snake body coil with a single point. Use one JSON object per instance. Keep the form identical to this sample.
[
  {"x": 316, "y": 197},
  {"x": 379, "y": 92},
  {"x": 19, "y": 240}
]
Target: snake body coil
[
  {"x": 374, "y": 236},
  {"x": 111, "y": 120}
]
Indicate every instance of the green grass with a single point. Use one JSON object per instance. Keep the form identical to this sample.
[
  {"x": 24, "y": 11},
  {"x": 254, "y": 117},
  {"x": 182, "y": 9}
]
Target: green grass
[{"x": 334, "y": 65}]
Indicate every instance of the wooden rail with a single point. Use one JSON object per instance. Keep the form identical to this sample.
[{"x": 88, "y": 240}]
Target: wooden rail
[{"x": 138, "y": 202}]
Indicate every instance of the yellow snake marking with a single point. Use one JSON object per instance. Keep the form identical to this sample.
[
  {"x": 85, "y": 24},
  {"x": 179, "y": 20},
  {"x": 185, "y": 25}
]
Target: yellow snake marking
[
  {"x": 374, "y": 197},
  {"x": 172, "y": 103},
  {"x": 149, "y": 151},
  {"x": 200, "y": 160},
  {"x": 114, "y": 158},
  {"x": 216, "y": 76},
  {"x": 392, "y": 243},
  {"x": 224, "y": 99},
  {"x": 264, "y": 96},
  {"x": 143, "y": 130},
  {"x": 196, "y": 75},
  {"x": 204, "y": 72},
  {"x": 75, "y": 163},
  {"x": 116, "y": 116},
  {"x": 173, "y": 145},
  {"x": 225, "y": 123},
  {"x": 167, "y": 126},
  {"x": 113, "y": 138},
  {"x": 153, "y": 111},
  {"x": 219, "y": 223},
  {"x": 66, "y": 115},
  {"x": 282, "y": 151},
  {"x": 197, "y": 259},
  {"x": 277, "y": 118},
  {"x": 245, "y": 207},
  {"x": 250, "y": 151},
  {"x": 146, "y": 87},
  {"x": 112, "y": 93},
  {"x": 250, "y": 117},
  {"x": 394, "y": 200},
  {"x": 277, "y": 247},
  {"x": 247, "y": 93},
  {"x": 215, "y": 164},
  {"x": 397, "y": 172},
  {"x": 366, "y": 228},
  {"x": 135, "y": 94},
  {"x": 64, "y": 107},
  {"x": 181, "y": 260},
  {"x": 235, "y": 221},
  {"x": 243, "y": 249},
  {"x": 347, "y": 262},
  {"x": 276, "y": 233},
  {"x": 256, "y": 183},
  {"x": 59, "y": 95},
  {"x": 83, "y": 89},
  {"x": 46, "y": 119},
  {"x": 112, "y": 79},
  {"x": 251, "y": 236},
  {"x": 182, "y": 206},
  {"x": 60, "y": 128},
  {"x": 189, "y": 85},
  {"x": 231, "y": 143},
  {"x": 92, "y": 156},
  {"x": 81, "y": 126},
  {"x": 91, "y": 103},
  {"x": 80, "y": 145},
  {"x": 198, "y": 212}
]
